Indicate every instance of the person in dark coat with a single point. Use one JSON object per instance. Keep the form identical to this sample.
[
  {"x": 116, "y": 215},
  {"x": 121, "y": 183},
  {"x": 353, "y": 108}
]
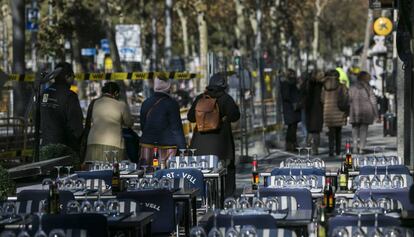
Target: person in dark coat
[
  {"x": 219, "y": 142},
  {"x": 161, "y": 123},
  {"x": 60, "y": 112},
  {"x": 291, "y": 108},
  {"x": 314, "y": 110}
]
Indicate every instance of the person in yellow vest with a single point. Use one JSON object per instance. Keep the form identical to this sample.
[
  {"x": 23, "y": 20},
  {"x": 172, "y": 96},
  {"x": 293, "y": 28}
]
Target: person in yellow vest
[{"x": 343, "y": 77}]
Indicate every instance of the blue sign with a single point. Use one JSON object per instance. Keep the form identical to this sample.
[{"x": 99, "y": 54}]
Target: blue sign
[
  {"x": 105, "y": 46},
  {"x": 88, "y": 52},
  {"x": 32, "y": 19}
]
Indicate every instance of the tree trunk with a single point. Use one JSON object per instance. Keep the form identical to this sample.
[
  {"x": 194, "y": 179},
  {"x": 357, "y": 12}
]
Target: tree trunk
[
  {"x": 154, "y": 64},
  {"x": 21, "y": 89},
  {"x": 110, "y": 35},
  {"x": 203, "y": 34},
  {"x": 240, "y": 27},
  {"x": 183, "y": 21},
  {"x": 142, "y": 21},
  {"x": 363, "y": 62},
  {"x": 319, "y": 5},
  {"x": 168, "y": 29}
]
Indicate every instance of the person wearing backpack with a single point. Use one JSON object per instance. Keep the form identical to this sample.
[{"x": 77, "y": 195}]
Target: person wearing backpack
[
  {"x": 161, "y": 123},
  {"x": 213, "y": 112},
  {"x": 333, "y": 117},
  {"x": 363, "y": 110}
]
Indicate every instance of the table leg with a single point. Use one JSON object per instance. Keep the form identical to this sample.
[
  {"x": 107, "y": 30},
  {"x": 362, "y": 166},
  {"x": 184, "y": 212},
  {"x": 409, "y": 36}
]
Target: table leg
[
  {"x": 222, "y": 193},
  {"x": 194, "y": 210}
]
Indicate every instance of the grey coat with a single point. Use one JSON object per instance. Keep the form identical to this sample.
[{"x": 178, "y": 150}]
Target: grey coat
[{"x": 363, "y": 104}]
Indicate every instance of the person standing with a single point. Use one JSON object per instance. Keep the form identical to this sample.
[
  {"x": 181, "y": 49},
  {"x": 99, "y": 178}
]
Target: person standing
[
  {"x": 291, "y": 108},
  {"x": 363, "y": 110},
  {"x": 220, "y": 141},
  {"x": 314, "y": 110},
  {"x": 108, "y": 116},
  {"x": 333, "y": 117},
  {"x": 61, "y": 114},
  {"x": 161, "y": 123}
]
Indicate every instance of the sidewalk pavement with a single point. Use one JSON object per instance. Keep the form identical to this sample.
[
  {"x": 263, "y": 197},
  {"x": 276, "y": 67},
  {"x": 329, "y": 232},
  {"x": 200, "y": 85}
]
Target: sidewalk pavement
[{"x": 270, "y": 158}]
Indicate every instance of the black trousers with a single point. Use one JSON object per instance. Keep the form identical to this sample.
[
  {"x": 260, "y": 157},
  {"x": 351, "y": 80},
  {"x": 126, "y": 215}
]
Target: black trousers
[
  {"x": 230, "y": 184},
  {"x": 334, "y": 136},
  {"x": 291, "y": 133}
]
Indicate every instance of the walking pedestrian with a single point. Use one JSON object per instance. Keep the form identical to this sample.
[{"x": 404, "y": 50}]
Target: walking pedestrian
[
  {"x": 219, "y": 141},
  {"x": 108, "y": 115},
  {"x": 363, "y": 110},
  {"x": 61, "y": 113},
  {"x": 333, "y": 117},
  {"x": 314, "y": 109},
  {"x": 291, "y": 108},
  {"x": 161, "y": 123}
]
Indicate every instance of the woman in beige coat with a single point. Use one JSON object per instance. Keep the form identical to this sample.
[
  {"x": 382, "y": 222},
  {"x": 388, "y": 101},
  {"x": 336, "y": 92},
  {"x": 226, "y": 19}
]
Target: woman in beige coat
[
  {"x": 109, "y": 115},
  {"x": 333, "y": 118}
]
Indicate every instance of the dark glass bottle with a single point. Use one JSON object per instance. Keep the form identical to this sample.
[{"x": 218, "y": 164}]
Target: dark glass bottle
[
  {"x": 116, "y": 179},
  {"x": 348, "y": 155},
  {"x": 255, "y": 174},
  {"x": 328, "y": 196},
  {"x": 321, "y": 224},
  {"x": 343, "y": 177},
  {"x": 54, "y": 199},
  {"x": 155, "y": 159}
]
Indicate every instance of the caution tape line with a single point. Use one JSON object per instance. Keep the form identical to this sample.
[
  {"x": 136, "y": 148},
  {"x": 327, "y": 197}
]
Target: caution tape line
[
  {"x": 113, "y": 76},
  {"x": 18, "y": 153}
]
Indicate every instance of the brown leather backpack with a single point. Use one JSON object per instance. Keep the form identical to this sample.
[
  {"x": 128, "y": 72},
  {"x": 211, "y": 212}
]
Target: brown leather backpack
[{"x": 207, "y": 114}]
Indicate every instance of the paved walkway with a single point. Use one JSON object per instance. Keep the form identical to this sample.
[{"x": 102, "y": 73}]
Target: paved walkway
[{"x": 272, "y": 157}]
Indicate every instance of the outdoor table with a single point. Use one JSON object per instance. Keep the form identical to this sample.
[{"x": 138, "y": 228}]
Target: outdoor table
[{"x": 138, "y": 224}]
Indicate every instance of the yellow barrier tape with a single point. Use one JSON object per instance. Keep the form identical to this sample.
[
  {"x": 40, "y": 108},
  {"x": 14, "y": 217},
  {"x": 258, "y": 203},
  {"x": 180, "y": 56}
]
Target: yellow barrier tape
[{"x": 113, "y": 76}]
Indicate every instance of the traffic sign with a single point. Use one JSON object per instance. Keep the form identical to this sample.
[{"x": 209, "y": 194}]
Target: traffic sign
[
  {"x": 88, "y": 52},
  {"x": 32, "y": 19},
  {"x": 127, "y": 39},
  {"x": 105, "y": 45},
  {"x": 383, "y": 26}
]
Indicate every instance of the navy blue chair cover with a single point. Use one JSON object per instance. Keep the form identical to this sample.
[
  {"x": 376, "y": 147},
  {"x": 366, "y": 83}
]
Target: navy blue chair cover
[
  {"x": 258, "y": 221},
  {"x": 159, "y": 201},
  {"x": 302, "y": 195},
  {"x": 184, "y": 178},
  {"x": 94, "y": 224},
  {"x": 402, "y": 195},
  {"x": 392, "y": 169},
  {"x": 366, "y": 220},
  {"x": 36, "y": 196},
  {"x": 105, "y": 175}
]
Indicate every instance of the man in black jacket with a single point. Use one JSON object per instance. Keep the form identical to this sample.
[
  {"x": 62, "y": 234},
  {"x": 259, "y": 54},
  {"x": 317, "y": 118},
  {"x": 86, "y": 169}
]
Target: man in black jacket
[{"x": 61, "y": 114}]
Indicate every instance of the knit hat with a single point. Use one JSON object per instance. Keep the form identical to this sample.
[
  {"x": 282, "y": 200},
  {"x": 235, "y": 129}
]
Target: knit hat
[
  {"x": 162, "y": 85},
  {"x": 218, "y": 80}
]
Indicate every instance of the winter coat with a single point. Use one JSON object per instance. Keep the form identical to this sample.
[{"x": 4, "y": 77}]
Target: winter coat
[
  {"x": 291, "y": 102},
  {"x": 332, "y": 116},
  {"x": 363, "y": 104},
  {"x": 313, "y": 106},
  {"x": 61, "y": 117},
  {"x": 162, "y": 126},
  {"x": 221, "y": 141},
  {"x": 108, "y": 117}
]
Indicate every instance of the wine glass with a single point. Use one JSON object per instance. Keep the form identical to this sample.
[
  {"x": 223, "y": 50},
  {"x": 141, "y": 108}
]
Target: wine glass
[
  {"x": 193, "y": 163},
  {"x": 183, "y": 163},
  {"x": 279, "y": 181},
  {"x": 230, "y": 204},
  {"x": 86, "y": 206},
  {"x": 68, "y": 168},
  {"x": 248, "y": 231},
  {"x": 133, "y": 184},
  {"x": 113, "y": 207},
  {"x": 215, "y": 232},
  {"x": 357, "y": 202},
  {"x": 182, "y": 153},
  {"x": 145, "y": 183},
  {"x": 204, "y": 163},
  {"x": 301, "y": 181},
  {"x": 69, "y": 184},
  {"x": 154, "y": 183},
  {"x": 377, "y": 232},
  {"x": 257, "y": 203},
  {"x": 172, "y": 164},
  {"x": 359, "y": 232},
  {"x": 272, "y": 203},
  {"x": 341, "y": 203},
  {"x": 313, "y": 181},
  {"x": 244, "y": 203},
  {"x": 46, "y": 183},
  {"x": 23, "y": 232},
  {"x": 165, "y": 183},
  {"x": 73, "y": 207},
  {"x": 57, "y": 233},
  {"x": 115, "y": 156},
  {"x": 58, "y": 167},
  {"x": 385, "y": 203},
  {"x": 386, "y": 181},
  {"x": 40, "y": 232},
  {"x": 80, "y": 184},
  {"x": 99, "y": 206},
  {"x": 397, "y": 182},
  {"x": 364, "y": 182},
  {"x": 197, "y": 231},
  {"x": 393, "y": 232},
  {"x": 193, "y": 151},
  {"x": 370, "y": 202},
  {"x": 9, "y": 210},
  {"x": 231, "y": 231},
  {"x": 290, "y": 180},
  {"x": 340, "y": 232}
]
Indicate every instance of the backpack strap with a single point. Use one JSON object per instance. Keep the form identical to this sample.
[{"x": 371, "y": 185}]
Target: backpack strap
[{"x": 153, "y": 106}]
